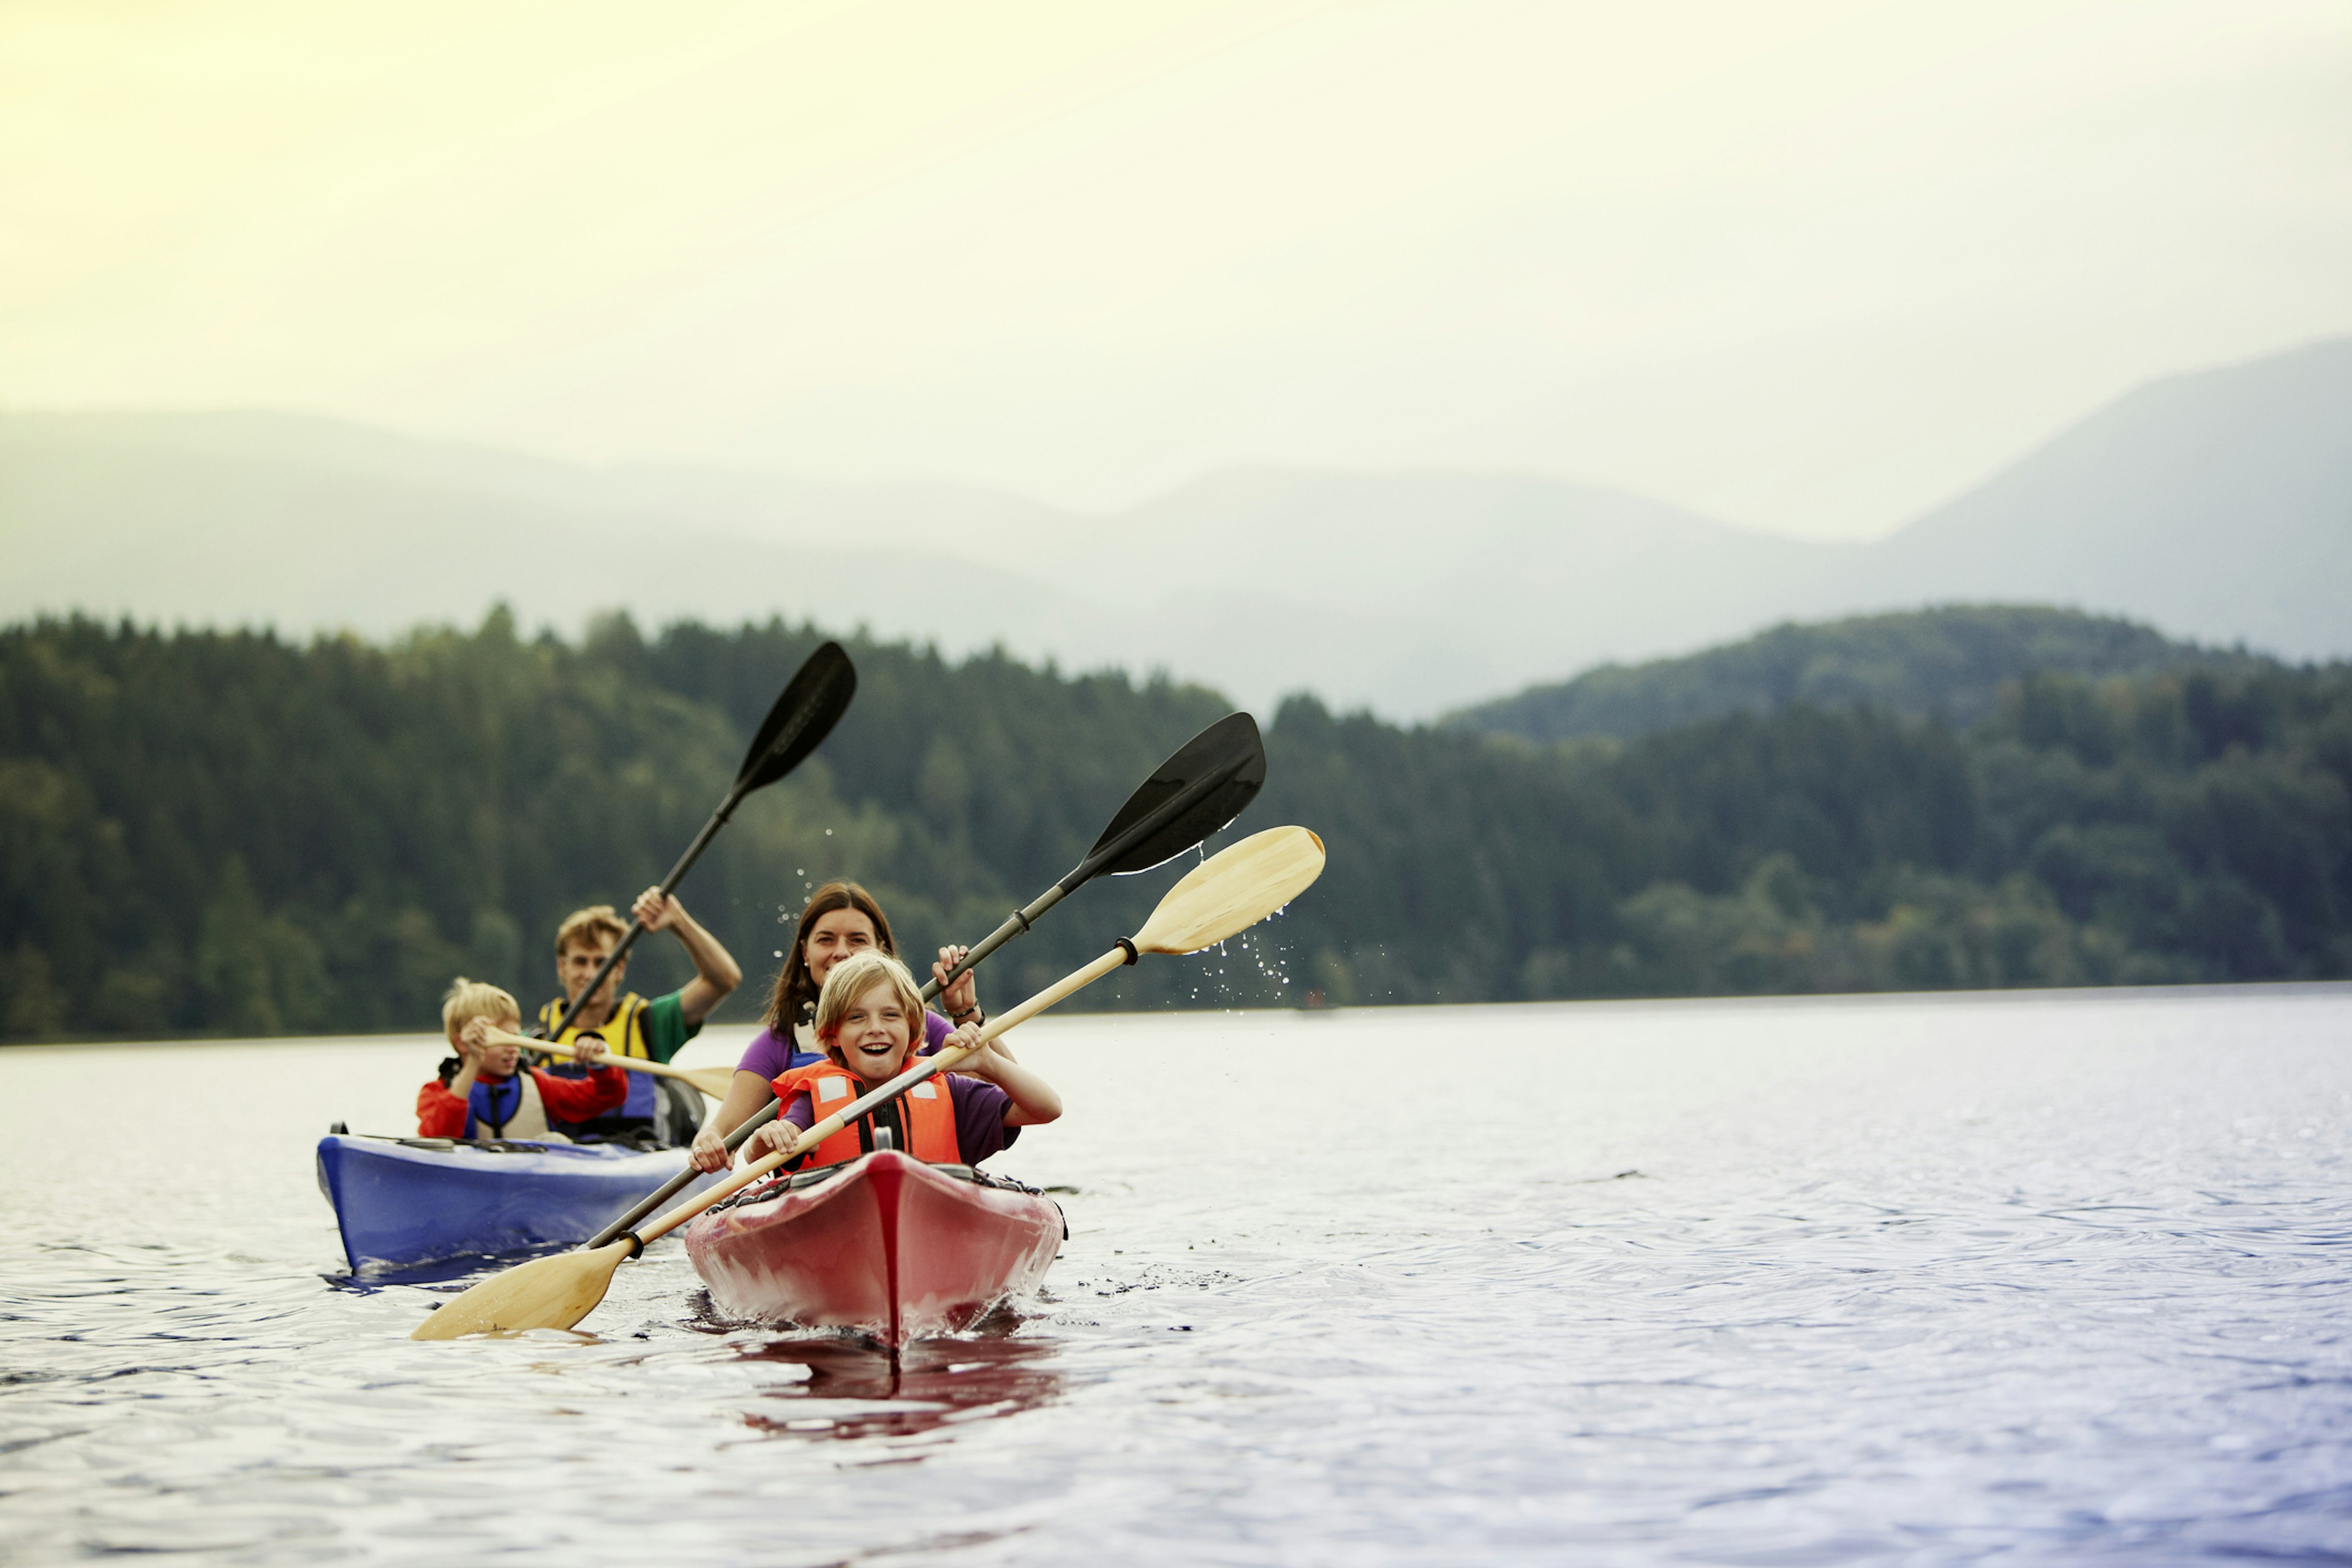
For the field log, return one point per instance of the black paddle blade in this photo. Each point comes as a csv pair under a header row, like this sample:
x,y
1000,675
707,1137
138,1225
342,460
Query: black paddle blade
x,y
1223,765
804,716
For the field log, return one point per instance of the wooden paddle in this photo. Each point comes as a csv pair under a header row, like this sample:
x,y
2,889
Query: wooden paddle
x,y
1202,786
1224,896
712,1081
803,715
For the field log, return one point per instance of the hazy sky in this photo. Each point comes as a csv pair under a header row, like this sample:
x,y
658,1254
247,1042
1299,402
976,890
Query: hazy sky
x,y
1805,265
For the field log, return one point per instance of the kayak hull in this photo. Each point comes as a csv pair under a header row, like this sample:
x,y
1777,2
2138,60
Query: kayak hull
x,y
401,1202
886,1246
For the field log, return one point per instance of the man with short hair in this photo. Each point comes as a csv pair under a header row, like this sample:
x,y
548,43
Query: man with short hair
x,y
630,1026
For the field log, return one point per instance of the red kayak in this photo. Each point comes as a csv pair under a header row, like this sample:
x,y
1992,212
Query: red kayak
x,y
885,1245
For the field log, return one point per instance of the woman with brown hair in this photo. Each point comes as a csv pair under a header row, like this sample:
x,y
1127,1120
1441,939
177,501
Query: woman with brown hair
x,y
841,919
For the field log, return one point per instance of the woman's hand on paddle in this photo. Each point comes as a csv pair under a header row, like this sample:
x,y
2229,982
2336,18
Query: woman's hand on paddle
x,y
960,1002
588,1051
709,1150
962,997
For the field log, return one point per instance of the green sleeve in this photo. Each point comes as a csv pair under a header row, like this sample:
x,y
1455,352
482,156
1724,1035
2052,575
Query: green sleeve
x,y
666,1026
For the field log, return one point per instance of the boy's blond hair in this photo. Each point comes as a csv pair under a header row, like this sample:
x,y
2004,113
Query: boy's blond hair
x,y
595,920
471,999
853,977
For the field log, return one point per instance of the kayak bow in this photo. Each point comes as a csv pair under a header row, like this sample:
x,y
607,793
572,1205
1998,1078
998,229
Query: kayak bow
x,y
886,1245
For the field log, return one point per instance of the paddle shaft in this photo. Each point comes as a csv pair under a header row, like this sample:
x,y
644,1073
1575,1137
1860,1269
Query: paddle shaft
x,y
865,1105
1167,811
611,1058
636,927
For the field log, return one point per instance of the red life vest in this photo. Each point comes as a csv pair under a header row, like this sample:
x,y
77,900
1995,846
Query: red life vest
x,y
928,1109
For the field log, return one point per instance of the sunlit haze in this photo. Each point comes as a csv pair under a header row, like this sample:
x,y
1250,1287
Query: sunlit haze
x,y
1811,267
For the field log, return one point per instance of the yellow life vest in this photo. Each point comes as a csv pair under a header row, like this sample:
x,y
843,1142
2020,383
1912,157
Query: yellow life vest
x,y
623,1033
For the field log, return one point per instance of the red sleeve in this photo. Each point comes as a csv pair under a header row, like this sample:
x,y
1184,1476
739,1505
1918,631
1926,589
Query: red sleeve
x,y
577,1098
439,1113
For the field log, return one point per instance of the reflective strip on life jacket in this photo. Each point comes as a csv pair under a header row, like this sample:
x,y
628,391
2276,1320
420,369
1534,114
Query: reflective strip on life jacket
x,y
624,1035
509,1108
926,1110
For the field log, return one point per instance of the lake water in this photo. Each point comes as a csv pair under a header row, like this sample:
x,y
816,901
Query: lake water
x,y
2027,1278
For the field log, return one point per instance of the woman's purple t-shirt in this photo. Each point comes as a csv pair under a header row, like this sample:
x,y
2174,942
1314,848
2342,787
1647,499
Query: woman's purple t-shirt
x,y
770,1056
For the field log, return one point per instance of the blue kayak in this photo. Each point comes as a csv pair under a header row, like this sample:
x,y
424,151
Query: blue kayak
x,y
404,1201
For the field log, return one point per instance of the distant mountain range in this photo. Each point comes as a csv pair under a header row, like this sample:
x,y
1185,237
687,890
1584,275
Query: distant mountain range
x,y
2215,506
1951,662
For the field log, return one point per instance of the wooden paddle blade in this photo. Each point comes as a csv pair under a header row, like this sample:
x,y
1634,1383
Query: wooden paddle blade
x,y
803,715
1232,890
712,1081
545,1293
1223,767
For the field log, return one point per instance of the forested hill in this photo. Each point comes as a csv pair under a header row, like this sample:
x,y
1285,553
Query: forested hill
x,y
218,833
1951,662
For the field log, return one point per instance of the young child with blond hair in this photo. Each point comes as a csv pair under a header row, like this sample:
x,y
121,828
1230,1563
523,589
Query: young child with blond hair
x,y
869,1022
480,1095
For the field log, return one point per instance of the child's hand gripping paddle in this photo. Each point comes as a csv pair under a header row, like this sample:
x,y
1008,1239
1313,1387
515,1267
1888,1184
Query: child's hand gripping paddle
x,y
712,1081
1223,897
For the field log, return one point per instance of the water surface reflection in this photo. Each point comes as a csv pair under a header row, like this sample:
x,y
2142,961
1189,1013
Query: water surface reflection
x,y
853,1390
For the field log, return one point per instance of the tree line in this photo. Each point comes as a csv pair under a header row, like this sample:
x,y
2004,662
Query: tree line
x,y
1951,660
232,833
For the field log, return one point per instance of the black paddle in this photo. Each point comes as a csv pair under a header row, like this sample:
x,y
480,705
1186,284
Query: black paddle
x,y
804,714
1191,795
1199,790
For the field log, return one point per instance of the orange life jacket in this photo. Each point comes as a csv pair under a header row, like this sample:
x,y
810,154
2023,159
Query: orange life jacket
x,y
928,1111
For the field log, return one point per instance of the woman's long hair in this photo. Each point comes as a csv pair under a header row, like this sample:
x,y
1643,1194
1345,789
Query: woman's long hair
x,y
796,992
